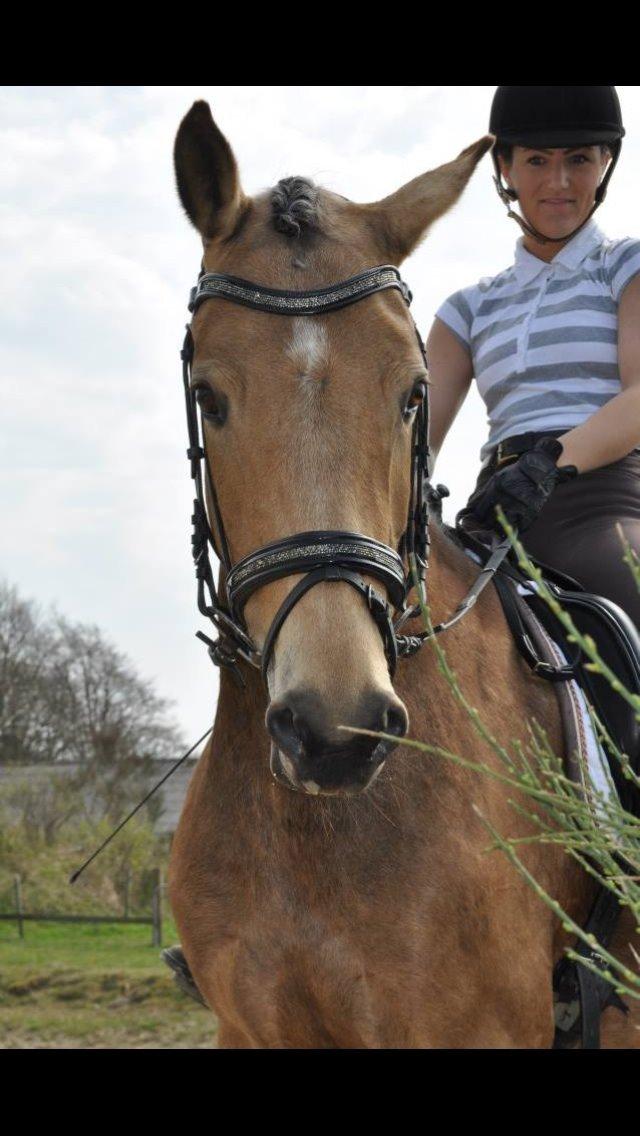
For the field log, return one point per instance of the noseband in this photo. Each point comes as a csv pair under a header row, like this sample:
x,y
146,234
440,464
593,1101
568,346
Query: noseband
x,y
323,555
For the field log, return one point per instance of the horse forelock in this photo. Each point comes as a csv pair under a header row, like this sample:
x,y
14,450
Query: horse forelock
x,y
296,235
294,205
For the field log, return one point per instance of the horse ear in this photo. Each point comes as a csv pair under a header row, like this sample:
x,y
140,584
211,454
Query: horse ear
x,y
402,219
206,174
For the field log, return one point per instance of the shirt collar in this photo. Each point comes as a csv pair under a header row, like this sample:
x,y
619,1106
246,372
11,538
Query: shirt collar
x,y
527,266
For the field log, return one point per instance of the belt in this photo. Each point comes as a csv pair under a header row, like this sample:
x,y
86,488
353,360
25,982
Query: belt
x,y
509,449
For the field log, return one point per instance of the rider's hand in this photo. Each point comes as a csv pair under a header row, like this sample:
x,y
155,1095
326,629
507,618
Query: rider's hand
x,y
522,488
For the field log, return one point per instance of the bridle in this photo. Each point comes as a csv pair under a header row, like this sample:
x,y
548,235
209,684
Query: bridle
x,y
323,555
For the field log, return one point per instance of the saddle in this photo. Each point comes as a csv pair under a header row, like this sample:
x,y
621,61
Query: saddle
x,y
580,994
615,635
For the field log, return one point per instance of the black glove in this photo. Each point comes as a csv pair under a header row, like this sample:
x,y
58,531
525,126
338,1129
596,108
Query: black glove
x,y
522,488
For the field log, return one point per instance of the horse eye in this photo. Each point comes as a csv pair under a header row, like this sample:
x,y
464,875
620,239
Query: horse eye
x,y
415,399
212,406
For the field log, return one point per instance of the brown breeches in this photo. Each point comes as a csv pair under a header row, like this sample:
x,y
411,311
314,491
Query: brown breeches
x,y
576,532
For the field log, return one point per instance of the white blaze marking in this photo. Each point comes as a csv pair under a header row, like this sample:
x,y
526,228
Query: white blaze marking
x,y
309,346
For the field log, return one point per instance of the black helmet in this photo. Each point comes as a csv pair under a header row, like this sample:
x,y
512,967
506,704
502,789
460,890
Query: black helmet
x,y
556,117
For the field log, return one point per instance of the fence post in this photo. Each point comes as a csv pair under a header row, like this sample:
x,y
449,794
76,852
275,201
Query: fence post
x,y
17,883
127,885
156,933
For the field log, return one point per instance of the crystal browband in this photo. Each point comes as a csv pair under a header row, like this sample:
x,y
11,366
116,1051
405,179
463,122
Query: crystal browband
x,y
281,302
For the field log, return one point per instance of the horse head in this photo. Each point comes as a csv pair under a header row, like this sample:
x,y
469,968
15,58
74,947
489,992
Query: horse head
x,y
307,427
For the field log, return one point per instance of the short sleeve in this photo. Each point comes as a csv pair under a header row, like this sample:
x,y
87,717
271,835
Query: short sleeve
x,y
623,264
457,314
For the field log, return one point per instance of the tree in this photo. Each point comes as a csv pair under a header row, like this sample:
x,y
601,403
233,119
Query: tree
x,y
68,695
25,649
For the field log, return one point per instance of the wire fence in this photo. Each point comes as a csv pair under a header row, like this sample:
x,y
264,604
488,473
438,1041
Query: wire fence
x,y
153,920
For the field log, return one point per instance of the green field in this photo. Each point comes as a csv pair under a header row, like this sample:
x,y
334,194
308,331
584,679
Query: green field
x,y
75,986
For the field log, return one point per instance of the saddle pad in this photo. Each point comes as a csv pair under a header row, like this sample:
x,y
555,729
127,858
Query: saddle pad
x,y
587,763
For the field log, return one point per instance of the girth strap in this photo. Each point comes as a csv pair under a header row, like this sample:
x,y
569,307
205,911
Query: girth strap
x,y
580,994
377,606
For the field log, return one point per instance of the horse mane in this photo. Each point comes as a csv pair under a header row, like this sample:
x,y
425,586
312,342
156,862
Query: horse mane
x,y
294,204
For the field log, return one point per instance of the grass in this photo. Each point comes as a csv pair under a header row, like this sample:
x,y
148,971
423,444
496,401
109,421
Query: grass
x,y
92,987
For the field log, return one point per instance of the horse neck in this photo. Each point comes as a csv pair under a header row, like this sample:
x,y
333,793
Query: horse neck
x,y
416,830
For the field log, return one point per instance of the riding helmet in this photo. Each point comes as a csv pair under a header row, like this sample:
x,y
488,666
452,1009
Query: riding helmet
x,y
556,117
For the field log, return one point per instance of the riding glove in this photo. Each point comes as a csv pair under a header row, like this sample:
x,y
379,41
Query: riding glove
x,y
522,488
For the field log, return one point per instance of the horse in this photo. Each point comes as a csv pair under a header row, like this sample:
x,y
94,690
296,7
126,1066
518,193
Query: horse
x,y
331,890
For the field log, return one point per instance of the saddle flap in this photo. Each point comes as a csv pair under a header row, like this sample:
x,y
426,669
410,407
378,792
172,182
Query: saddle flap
x,y
618,644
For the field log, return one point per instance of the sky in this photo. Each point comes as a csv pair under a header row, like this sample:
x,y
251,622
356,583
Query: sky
x,y
97,261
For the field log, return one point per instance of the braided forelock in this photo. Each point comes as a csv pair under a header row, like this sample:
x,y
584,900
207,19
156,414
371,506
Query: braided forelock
x,y
294,202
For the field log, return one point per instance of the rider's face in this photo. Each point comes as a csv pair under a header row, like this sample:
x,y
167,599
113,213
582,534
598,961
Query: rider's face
x,y
556,187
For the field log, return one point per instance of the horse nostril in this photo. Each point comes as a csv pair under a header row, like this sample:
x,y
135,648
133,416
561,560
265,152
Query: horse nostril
x,y
396,720
281,725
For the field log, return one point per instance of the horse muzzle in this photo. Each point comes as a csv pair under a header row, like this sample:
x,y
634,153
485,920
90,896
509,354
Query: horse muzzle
x,y
310,756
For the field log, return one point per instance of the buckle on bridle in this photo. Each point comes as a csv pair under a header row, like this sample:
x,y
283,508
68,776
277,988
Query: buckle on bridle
x,y
222,654
377,606
407,294
554,674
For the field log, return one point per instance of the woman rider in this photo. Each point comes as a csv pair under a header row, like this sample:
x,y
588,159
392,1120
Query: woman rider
x,y
554,345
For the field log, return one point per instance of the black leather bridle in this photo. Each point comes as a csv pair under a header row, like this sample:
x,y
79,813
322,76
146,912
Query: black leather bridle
x,y
322,555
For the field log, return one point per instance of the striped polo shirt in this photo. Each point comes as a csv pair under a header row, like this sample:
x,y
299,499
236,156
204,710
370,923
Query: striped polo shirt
x,y
543,338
